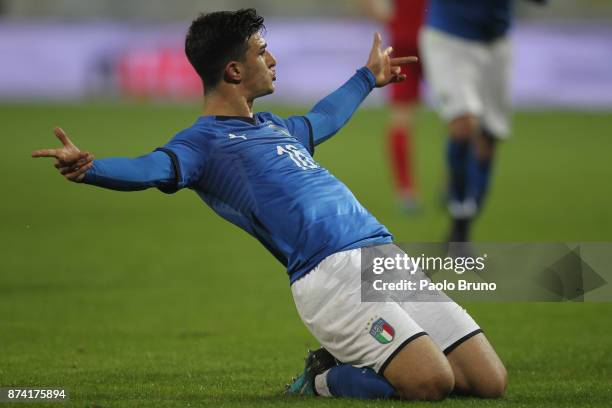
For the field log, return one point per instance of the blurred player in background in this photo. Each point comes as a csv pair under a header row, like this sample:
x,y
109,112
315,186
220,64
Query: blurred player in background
x,y
466,54
403,19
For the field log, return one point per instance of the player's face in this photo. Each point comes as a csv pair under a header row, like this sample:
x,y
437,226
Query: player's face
x,y
259,74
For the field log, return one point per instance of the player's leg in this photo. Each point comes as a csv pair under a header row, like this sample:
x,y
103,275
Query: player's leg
x,y
345,380
420,372
460,105
480,165
404,98
495,118
462,206
416,371
477,369
385,351
400,148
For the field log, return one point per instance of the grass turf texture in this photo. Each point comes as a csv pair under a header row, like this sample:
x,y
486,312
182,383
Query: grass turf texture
x,y
143,299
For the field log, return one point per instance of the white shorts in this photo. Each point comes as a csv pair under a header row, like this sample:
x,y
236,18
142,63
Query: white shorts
x,y
468,77
370,334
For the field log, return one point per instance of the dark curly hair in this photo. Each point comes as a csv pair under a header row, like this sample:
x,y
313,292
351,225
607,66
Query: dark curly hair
x,y
214,39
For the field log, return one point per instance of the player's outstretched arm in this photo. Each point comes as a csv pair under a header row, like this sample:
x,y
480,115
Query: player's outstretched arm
x,y
330,114
117,173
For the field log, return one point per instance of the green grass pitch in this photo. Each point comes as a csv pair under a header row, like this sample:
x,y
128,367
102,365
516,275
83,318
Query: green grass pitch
x,y
148,300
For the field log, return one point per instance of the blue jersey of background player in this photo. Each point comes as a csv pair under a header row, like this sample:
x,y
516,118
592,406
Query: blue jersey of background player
x,y
478,20
255,170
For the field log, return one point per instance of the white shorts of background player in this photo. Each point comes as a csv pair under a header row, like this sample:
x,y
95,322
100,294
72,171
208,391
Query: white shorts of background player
x,y
468,77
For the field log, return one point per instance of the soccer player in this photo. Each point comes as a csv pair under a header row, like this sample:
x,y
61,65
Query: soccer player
x,y
403,19
466,54
257,171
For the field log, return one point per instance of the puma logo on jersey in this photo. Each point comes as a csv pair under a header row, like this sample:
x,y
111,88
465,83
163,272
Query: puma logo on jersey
x,y
279,129
233,136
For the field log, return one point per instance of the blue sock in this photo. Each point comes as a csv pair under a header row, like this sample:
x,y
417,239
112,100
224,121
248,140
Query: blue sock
x,y
479,172
457,159
353,382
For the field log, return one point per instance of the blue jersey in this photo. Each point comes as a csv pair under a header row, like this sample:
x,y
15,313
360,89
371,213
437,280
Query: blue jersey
x,y
259,174
477,20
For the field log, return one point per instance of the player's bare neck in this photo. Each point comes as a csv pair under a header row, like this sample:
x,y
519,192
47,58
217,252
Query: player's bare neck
x,y
227,104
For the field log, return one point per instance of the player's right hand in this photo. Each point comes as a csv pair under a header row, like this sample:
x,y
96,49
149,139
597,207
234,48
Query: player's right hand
x,y
384,68
71,162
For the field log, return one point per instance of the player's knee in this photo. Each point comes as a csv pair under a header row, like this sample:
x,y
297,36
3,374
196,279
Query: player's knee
x,y
433,386
493,385
464,127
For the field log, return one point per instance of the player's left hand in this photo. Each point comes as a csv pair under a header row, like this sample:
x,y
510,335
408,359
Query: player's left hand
x,y
385,68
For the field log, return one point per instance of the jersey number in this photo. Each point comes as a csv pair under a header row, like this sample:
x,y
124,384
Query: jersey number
x,y
300,159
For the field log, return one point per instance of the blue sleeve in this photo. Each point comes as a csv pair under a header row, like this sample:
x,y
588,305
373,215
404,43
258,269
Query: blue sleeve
x,y
300,128
126,174
188,155
328,116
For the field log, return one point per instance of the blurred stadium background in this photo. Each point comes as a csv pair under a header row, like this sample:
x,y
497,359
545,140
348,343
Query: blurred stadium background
x,y
134,49
148,300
